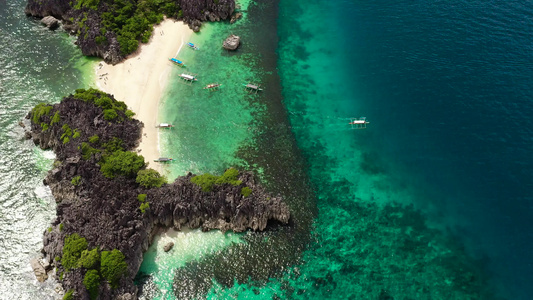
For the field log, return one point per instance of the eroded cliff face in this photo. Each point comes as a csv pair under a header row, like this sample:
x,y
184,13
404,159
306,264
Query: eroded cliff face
x,y
106,211
90,33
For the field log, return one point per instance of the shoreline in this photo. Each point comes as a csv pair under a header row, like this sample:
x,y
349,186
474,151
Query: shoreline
x,y
139,81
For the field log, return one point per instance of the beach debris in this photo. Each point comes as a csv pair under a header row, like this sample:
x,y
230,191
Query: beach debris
x,y
168,246
232,42
50,22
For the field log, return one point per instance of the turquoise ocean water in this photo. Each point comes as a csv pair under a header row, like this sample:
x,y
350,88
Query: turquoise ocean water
x,y
432,201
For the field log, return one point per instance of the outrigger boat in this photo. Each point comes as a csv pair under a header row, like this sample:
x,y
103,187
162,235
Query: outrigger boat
x,y
358,123
177,61
188,78
163,159
250,87
193,46
212,86
165,125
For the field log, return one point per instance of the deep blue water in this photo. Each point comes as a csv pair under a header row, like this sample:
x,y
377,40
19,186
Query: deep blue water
x,y
447,86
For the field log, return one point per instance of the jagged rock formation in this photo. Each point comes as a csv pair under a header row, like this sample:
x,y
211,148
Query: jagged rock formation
x,y
95,40
106,212
50,22
232,42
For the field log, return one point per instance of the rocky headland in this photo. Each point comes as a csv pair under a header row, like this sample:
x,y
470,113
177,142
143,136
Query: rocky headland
x,y
112,29
110,206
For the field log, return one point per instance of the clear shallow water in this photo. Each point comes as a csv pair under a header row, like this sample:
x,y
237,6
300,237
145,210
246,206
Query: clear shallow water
x,y
431,77
35,66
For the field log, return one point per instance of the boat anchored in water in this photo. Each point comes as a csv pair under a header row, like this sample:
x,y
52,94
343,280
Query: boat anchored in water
x,y
163,159
164,125
192,46
177,62
212,86
188,77
358,123
252,88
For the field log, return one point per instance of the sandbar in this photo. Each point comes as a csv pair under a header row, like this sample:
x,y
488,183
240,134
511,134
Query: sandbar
x,y
140,80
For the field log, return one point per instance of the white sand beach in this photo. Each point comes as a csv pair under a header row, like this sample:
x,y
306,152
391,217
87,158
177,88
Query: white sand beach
x,y
140,80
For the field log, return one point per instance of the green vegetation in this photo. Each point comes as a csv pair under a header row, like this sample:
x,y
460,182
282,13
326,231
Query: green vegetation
x,y
69,295
87,151
144,206
150,178
141,197
110,114
113,266
56,118
207,181
246,191
49,229
67,133
103,101
94,139
130,20
40,110
121,163
61,227
89,259
91,4
57,258
44,126
76,180
91,281
113,145
72,249
76,134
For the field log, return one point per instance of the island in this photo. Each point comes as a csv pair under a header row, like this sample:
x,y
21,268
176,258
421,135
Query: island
x,y
112,29
110,205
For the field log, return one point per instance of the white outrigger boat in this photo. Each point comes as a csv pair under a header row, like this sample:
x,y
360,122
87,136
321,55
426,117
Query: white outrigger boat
x,y
358,123
163,159
188,77
164,125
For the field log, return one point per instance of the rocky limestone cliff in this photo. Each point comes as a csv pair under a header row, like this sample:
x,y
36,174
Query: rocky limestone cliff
x,y
106,211
192,12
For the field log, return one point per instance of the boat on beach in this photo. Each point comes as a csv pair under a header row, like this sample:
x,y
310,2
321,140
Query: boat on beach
x,y
164,125
177,62
212,86
163,159
192,46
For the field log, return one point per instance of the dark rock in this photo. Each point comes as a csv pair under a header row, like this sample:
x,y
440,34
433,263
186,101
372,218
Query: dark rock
x,y
50,22
38,269
168,246
106,211
194,12
232,42
235,17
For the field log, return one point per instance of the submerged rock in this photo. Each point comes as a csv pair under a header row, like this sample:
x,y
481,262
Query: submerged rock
x,y
232,42
168,246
